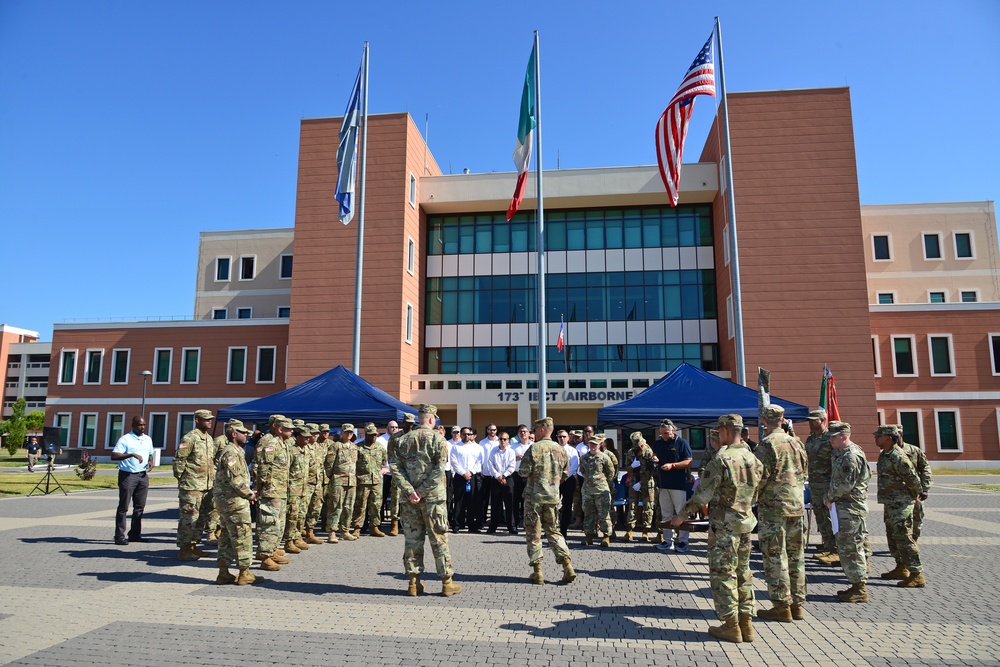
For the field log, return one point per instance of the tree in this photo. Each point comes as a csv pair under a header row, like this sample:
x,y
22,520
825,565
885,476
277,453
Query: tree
x,y
15,427
34,420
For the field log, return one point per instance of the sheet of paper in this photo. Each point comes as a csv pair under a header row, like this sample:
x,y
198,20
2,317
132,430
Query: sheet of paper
x,y
833,518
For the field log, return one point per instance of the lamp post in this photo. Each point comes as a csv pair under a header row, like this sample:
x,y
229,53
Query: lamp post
x,y
145,376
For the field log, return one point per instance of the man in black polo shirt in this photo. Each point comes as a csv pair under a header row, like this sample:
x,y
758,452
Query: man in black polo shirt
x,y
672,455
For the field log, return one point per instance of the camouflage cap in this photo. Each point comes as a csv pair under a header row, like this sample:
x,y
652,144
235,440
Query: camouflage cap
x,y
544,422
427,409
731,421
298,422
313,426
817,414
203,414
456,429
324,427
886,429
772,412
839,428
578,434
234,423
371,428
596,440
637,438
347,427
275,418
284,422
409,418
241,428
301,431
713,434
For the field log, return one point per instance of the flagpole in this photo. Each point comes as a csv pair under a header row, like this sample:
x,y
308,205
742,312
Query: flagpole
x,y
734,261
540,243
356,353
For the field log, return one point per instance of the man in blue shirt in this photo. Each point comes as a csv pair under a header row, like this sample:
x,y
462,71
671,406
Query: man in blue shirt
x,y
672,456
134,454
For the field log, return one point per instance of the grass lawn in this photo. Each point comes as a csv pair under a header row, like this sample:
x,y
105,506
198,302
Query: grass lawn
x,y
19,484
980,487
20,460
971,471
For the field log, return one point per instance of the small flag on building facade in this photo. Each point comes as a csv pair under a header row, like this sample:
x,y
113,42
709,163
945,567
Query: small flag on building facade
x,y
347,154
525,125
561,340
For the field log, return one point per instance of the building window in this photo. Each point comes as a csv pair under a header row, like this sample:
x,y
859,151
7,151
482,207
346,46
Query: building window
x,y
67,367
963,246
730,325
244,313
285,270
942,357
95,359
185,424
237,370
63,421
875,357
912,427
220,313
885,298
116,429
995,353
158,429
904,363
163,358
411,255
191,360
935,297
969,296
932,246
266,359
413,191
881,247
409,324
284,312
119,366
248,267
222,269
88,430
725,245
949,431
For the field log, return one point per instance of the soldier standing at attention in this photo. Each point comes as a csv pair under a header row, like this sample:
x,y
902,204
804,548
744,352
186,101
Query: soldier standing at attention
x,y
820,455
233,495
729,487
298,473
849,490
417,466
341,466
194,468
270,468
598,472
898,490
544,466
371,460
312,501
212,524
781,507
642,488
923,468
409,420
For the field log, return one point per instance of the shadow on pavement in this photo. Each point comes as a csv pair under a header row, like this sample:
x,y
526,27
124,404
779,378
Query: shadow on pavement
x,y
615,623
154,577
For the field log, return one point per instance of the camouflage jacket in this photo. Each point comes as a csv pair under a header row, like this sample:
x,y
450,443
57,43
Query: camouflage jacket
x,y
220,444
270,467
232,478
729,487
710,453
417,462
194,462
644,473
599,473
371,459
920,464
300,459
341,463
782,485
898,483
545,466
849,481
314,476
820,454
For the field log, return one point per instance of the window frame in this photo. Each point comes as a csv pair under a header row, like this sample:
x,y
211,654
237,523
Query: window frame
x,y
877,355
958,430
408,324
411,255
972,243
920,425
725,245
923,245
114,364
107,434
994,361
170,364
277,313
943,293
888,236
229,270
240,277
83,430
100,366
244,308
181,432
730,325
412,197
281,266
197,372
166,429
274,365
229,364
57,422
62,361
224,311
963,292
913,353
951,354
891,294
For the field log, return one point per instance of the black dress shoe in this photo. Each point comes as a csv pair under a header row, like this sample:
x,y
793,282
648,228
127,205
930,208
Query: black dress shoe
x,y
491,530
121,543
512,530
137,539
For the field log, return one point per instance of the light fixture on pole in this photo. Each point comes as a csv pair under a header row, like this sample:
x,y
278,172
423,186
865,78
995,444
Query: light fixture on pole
x,y
145,375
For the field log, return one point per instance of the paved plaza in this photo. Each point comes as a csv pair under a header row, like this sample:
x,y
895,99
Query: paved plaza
x,y
69,596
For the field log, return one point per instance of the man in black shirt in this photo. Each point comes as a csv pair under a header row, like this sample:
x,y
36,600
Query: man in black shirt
x,y
672,456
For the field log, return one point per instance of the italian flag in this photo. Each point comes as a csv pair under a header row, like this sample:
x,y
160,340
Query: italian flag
x,y
828,395
525,129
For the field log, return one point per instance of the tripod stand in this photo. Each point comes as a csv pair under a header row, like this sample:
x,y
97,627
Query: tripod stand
x,y
49,477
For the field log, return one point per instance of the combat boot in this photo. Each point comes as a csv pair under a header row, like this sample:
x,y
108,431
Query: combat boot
x,y
797,612
376,532
292,548
197,552
913,581
415,588
332,538
187,553
729,631
536,575
269,565
781,611
394,531
746,627
213,539
829,558
225,576
856,593
279,559
588,540
311,537
645,537
606,542
247,577
898,572
569,575
348,536
279,552
820,555
449,587
356,533
628,536
301,544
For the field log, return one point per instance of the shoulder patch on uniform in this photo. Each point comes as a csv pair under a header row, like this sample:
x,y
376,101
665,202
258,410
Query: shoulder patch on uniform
x,y
269,449
182,446
232,462
260,449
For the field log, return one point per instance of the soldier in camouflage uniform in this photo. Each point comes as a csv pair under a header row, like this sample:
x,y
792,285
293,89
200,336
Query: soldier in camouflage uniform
x,y
713,448
270,469
341,466
641,486
233,495
298,473
781,506
923,468
899,488
545,466
417,466
598,472
729,487
849,490
409,421
212,524
194,468
312,501
371,460
820,455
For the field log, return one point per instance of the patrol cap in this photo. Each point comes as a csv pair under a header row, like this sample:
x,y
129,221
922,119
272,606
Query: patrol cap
x,y
301,430
544,422
667,422
731,421
839,428
817,414
371,428
284,422
578,434
427,409
596,440
312,425
241,428
713,434
347,427
275,418
886,429
409,418
456,429
298,422
773,412
324,427
203,414
637,438
234,423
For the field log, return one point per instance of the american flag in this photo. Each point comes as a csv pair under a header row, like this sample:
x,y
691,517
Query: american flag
x,y
673,124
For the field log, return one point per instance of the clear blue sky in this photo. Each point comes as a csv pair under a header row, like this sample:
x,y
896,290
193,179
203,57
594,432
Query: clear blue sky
x,y
126,128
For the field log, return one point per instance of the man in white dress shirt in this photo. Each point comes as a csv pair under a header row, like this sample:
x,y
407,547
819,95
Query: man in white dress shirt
x,y
520,445
489,443
467,467
568,488
501,465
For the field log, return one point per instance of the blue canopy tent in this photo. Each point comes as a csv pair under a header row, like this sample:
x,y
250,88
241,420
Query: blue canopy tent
x,y
690,397
335,397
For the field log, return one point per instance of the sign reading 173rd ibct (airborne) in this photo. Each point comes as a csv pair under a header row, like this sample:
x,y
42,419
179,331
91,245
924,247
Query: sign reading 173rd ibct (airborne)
x,y
567,396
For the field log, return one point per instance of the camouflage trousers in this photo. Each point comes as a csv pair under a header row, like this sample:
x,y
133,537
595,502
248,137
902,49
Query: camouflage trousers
x,y
314,505
295,518
647,497
339,506
271,514
597,514
784,559
428,520
236,540
822,513
729,573
195,507
853,546
212,524
918,519
899,534
393,501
578,502
540,518
368,498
